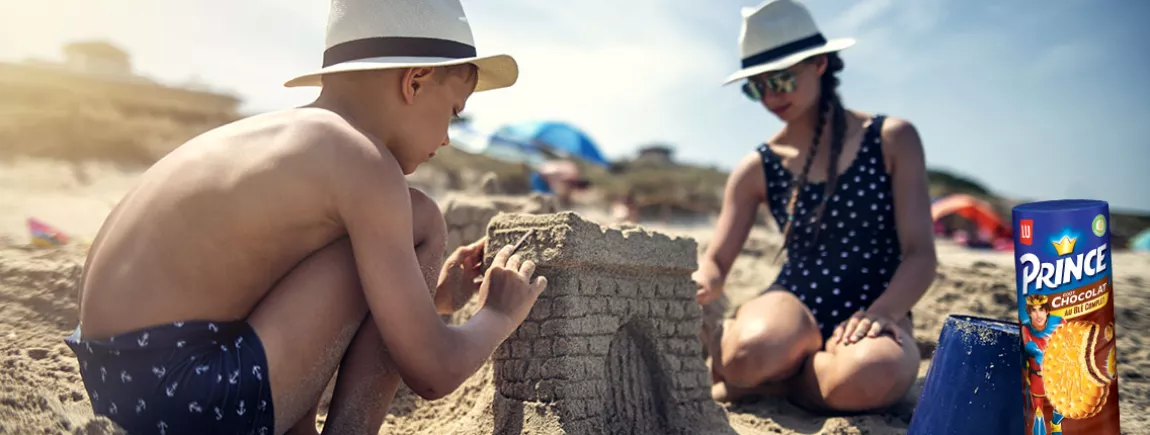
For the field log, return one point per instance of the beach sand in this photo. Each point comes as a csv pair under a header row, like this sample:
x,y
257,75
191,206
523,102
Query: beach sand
x,y
41,391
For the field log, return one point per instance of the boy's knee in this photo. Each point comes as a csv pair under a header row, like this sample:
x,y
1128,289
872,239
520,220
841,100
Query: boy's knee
x,y
427,219
425,211
420,200
339,251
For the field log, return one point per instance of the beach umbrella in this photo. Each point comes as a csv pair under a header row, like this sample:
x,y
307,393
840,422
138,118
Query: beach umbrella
x,y
547,138
466,137
1141,242
515,152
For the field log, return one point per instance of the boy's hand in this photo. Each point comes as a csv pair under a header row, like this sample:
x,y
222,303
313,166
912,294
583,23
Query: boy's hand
x,y
508,288
458,278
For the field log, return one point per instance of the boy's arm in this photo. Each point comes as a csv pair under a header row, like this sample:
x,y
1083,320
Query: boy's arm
x,y
373,202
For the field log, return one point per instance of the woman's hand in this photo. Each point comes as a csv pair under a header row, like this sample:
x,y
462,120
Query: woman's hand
x,y
866,324
710,282
459,279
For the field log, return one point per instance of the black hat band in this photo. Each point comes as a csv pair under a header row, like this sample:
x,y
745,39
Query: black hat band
x,y
396,46
784,50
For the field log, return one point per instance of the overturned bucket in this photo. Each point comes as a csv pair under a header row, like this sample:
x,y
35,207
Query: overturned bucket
x,y
974,384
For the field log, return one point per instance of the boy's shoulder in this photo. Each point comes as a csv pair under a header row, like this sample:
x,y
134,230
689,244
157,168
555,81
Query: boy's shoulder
x,y
323,129
324,137
344,155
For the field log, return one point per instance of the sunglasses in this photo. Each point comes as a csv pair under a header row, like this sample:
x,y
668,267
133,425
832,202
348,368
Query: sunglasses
x,y
781,82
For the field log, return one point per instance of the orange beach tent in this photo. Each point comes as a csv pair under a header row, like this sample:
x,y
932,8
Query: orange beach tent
x,y
980,212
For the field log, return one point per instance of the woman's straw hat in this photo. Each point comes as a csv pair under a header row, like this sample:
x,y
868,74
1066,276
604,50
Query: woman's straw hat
x,y
384,34
779,34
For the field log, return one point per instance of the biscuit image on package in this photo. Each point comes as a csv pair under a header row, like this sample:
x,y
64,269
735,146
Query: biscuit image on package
x,y
1076,385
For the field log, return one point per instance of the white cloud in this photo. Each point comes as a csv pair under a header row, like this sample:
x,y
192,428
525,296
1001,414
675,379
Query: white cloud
x,y
887,33
858,16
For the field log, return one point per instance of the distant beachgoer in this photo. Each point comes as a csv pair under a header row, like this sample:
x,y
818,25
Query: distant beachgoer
x,y
625,209
539,183
849,192
489,184
223,292
561,178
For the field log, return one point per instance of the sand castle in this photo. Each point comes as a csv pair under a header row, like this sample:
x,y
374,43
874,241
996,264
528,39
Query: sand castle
x,y
467,216
611,346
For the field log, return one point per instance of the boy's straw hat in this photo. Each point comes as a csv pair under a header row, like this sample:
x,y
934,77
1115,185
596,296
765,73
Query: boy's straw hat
x,y
384,34
779,34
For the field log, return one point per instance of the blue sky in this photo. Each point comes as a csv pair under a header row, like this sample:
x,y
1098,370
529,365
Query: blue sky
x,y
1037,99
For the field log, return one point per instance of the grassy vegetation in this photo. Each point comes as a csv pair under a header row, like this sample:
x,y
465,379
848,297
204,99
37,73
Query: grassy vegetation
x,y
944,183
91,132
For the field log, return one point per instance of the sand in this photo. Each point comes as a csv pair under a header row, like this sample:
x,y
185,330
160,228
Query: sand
x,y
41,392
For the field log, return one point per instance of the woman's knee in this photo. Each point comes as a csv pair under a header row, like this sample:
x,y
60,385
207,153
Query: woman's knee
x,y
867,377
771,337
751,360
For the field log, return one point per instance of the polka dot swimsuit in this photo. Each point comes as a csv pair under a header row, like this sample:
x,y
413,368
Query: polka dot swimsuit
x,y
857,250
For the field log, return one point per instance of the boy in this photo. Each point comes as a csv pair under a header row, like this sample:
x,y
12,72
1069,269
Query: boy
x,y
224,290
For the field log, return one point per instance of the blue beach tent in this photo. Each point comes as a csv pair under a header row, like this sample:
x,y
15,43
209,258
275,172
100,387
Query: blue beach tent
x,y
1141,242
542,138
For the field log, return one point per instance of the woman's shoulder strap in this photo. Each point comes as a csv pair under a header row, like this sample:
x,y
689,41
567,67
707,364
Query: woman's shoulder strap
x,y
876,123
763,150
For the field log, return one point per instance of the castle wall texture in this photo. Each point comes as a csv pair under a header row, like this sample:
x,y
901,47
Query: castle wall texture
x,y
611,346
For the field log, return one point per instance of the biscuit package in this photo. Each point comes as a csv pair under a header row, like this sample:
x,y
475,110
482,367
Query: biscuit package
x,y
1066,311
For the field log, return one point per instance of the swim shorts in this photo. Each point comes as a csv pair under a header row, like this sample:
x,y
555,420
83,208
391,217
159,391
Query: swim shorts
x,y
184,378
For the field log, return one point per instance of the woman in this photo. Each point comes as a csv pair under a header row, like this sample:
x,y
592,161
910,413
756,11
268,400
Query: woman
x,y
849,192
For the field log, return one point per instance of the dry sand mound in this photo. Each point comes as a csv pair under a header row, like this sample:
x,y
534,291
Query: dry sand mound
x,y
41,392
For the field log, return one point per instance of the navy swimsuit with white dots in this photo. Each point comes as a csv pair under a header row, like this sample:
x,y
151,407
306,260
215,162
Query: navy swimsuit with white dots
x,y
857,250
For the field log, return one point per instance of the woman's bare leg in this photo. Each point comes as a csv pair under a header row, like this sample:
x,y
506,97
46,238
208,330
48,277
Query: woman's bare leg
x,y
767,342
871,374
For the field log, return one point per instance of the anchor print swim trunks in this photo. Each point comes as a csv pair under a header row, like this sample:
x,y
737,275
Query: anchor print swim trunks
x,y
184,378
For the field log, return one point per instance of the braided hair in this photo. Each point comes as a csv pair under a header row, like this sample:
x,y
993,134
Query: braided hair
x,y
829,103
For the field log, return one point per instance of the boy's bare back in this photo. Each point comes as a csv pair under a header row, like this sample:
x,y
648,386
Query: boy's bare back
x,y
210,228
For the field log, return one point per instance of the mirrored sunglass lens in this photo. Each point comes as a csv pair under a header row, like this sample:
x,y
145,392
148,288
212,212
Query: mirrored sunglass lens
x,y
781,83
751,90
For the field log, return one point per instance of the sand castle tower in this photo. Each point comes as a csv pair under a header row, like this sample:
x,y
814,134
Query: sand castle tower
x,y
611,346
467,215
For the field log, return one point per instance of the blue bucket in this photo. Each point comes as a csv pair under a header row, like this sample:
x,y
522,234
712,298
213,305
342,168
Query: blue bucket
x,y
974,384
